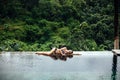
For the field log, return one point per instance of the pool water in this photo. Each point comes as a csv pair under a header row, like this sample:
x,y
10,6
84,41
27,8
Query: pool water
x,y
91,65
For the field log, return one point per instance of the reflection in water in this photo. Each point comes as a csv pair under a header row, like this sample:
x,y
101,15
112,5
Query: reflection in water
x,y
114,68
64,58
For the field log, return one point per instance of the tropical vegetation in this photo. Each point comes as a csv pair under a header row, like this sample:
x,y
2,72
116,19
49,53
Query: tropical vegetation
x,y
39,25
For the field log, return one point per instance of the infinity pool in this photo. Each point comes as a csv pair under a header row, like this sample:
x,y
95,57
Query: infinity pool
x,y
97,65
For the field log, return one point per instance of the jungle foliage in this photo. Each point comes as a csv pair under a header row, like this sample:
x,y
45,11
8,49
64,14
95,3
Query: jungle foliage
x,y
32,25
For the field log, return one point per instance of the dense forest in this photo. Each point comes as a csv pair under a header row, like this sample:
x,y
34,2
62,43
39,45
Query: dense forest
x,y
39,25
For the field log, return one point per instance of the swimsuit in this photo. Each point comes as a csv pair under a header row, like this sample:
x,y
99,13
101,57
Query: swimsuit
x,y
63,51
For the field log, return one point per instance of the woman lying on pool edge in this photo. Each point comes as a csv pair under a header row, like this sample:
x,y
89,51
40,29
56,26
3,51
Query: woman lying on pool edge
x,y
59,52
55,53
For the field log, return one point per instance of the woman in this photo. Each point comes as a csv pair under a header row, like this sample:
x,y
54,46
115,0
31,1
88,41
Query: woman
x,y
57,52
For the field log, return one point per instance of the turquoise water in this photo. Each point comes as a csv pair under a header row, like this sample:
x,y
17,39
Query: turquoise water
x,y
29,66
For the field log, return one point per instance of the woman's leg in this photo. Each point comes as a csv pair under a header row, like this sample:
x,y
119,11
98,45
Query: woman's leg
x,y
47,53
43,53
52,51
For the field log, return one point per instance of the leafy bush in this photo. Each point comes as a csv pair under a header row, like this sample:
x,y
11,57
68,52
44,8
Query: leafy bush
x,y
42,24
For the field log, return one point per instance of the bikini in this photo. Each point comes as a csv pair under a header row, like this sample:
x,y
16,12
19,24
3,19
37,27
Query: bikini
x,y
54,53
63,51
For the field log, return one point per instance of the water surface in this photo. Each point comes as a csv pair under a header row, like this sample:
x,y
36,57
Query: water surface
x,y
29,66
